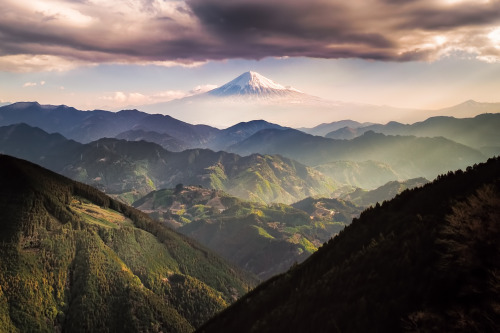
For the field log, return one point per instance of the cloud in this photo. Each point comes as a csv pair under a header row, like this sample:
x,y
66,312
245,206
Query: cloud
x,y
36,63
33,84
120,99
376,29
58,35
202,89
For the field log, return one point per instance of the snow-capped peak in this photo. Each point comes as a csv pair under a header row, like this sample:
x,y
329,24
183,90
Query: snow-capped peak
x,y
256,81
252,83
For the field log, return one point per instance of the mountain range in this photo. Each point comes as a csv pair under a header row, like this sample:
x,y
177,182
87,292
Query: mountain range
x,y
480,132
134,168
88,126
424,261
394,157
408,156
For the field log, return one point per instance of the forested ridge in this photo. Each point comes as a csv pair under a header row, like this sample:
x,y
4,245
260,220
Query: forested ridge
x,y
73,259
427,260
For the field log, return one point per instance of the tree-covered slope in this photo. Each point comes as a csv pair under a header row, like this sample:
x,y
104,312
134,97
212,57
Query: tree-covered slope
x,y
263,239
366,174
364,198
73,259
136,168
426,261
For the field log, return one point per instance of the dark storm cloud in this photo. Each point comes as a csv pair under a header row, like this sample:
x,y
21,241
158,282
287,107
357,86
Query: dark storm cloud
x,y
324,21
441,18
141,31
383,29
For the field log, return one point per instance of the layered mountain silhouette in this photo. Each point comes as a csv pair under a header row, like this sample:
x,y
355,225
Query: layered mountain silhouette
x,y
87,126
133,169
424,261
73,259
133,125
480,132
408,156
420,151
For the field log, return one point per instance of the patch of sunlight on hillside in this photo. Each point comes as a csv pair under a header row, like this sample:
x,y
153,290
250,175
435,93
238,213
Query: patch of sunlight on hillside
x,y
95,214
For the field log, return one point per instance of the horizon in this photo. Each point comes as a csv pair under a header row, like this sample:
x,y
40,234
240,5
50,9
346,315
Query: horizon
x,y
222,127
425,55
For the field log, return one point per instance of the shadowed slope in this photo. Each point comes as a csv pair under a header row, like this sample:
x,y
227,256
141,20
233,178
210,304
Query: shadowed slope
x,y
428,260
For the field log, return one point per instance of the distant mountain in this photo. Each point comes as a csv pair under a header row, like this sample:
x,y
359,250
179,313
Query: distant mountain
x,y
325,128
423,261
166,141
252,84
248,97
87,126
252,96
408,156
36,145
133,169
480,132
132,125
388,191
78,125
263,239
239,132
73,259
469,108
194,135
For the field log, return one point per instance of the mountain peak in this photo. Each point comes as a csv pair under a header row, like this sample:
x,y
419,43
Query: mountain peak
x,y
252,83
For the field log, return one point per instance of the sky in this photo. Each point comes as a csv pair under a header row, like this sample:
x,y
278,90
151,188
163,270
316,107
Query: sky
x,y
111,54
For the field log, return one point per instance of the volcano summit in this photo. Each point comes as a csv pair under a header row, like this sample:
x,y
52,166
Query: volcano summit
x,y
254,84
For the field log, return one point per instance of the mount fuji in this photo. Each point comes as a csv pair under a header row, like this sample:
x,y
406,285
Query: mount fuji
x,y
252,96
257,86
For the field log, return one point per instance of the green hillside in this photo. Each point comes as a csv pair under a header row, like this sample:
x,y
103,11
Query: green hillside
x,y
426,261
366,174
364,198
263,239
72,259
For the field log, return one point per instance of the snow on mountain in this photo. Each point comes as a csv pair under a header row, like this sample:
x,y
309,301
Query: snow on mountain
x,y
252,96
254,84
